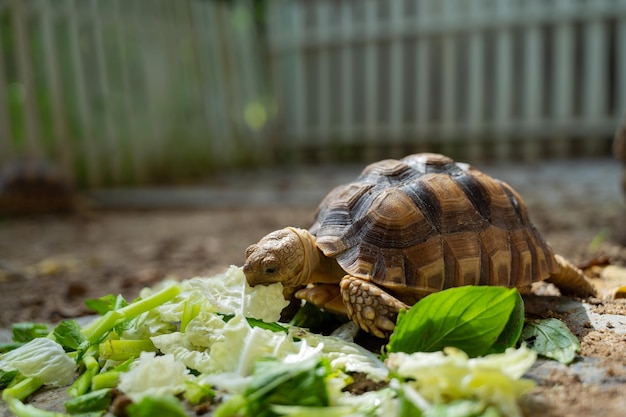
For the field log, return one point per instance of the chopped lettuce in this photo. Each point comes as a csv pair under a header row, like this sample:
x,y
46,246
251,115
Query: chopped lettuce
x,y
440,377
41,358
154,376
274,383
218,338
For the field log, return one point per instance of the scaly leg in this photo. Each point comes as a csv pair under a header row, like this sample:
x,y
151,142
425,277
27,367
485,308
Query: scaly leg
x,y
369,306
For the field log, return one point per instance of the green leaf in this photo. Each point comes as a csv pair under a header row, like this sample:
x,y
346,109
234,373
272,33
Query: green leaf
x,y
470,318
165,406
92,401
513,329
274,383
105,304
25,332
69,334
551,338
6,377
275,327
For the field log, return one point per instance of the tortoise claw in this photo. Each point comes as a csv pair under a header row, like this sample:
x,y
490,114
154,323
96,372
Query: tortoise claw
x,y
373,309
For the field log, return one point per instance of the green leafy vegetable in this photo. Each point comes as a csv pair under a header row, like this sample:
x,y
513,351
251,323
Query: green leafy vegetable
x,y
275,327
121,350
98,400
105,304
7,376
470,318
513,329
25,332
551,338
42,358
69,334
274,383
442,377
162,406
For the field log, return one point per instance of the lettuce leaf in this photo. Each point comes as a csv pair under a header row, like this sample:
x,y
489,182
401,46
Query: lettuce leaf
x,y
41,358
450,375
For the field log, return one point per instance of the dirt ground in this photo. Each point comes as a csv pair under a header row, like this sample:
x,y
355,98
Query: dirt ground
x,y
50,264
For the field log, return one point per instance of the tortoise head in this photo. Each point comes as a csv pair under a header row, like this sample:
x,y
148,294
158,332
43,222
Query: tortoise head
x,y
284,255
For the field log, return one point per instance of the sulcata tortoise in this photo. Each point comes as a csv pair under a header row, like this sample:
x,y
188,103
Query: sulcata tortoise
x,y
34,186
402,230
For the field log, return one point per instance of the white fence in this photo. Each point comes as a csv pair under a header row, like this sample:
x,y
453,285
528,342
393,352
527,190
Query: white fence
x,y
522,77
123,91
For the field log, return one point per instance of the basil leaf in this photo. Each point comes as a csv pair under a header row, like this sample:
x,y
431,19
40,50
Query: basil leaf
x,y
513,329
551,338
470,318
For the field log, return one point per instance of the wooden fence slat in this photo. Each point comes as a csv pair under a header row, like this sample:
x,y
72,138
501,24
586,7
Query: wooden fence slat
x,y
594,73
503,82
371,87
83,110
347,57
620,50
321,129
7,150
24,64
449,66
110,131
396,75
562,79
475,82
532,81
60,130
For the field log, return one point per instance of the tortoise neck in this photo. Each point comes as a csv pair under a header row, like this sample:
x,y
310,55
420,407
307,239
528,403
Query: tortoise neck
x,y
310,259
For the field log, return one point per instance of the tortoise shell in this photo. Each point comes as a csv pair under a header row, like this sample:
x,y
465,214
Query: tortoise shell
x,y
425,223
34,186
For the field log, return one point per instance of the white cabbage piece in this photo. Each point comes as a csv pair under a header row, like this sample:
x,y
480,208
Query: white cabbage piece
x,y
153,375
42,358
347,356
227,293
219,347
231,294
449,375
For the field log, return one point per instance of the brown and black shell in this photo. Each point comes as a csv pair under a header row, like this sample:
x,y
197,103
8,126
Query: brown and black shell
x,y
425,223
33,187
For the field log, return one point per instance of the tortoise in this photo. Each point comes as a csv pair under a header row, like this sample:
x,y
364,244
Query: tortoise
x,y
404,229
34,186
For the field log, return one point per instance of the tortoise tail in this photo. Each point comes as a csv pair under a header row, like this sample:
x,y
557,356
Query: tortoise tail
x,y
570,280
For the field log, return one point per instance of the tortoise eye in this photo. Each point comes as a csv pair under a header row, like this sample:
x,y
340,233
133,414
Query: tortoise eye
x,y
270,270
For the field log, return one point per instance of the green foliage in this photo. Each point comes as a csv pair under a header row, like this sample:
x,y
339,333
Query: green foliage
x,y
477,320
25,332
551,338
275,383
98,400
165,406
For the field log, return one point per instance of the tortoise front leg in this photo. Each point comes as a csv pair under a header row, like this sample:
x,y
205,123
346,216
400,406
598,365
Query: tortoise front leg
x,y
325,296
369,306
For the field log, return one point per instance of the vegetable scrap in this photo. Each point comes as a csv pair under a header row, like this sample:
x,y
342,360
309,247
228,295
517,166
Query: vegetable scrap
x,y
216,344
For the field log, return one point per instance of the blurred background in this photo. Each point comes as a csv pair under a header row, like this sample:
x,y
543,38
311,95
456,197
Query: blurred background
x,y
195,127
135,92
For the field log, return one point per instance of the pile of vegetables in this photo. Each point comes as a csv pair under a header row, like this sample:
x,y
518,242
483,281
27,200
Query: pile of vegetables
x,y
215,345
